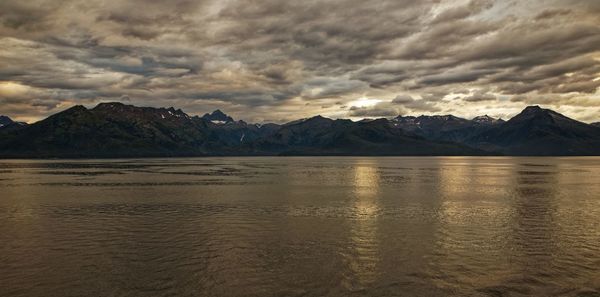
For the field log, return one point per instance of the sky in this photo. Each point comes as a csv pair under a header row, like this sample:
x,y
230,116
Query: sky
x,y
276,61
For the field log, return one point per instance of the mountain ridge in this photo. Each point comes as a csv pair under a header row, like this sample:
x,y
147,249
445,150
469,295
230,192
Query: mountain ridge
x,y
5,120
538,131
7,124
114,129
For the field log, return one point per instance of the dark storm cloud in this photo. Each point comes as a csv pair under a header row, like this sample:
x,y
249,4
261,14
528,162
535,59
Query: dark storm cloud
x,y
551,13
266,55
375,111
323,87
462,11
416,105
480,96
457,76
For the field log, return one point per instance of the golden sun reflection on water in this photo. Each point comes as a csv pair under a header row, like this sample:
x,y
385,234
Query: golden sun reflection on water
x,y
463,214
462,182
364,236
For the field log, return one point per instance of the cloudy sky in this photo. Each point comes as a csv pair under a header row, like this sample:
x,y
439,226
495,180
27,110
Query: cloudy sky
x,y
281,60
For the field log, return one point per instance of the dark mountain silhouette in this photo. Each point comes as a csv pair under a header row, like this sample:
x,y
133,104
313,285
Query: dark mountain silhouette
x,y
119,130
109,129
229,132
115,129
430,124
239,134
487,120
7,124
217,117
597,124
323,136
4,120
537,131
445,127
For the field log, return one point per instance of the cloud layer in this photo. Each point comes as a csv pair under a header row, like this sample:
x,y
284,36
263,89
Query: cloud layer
x,y
280,60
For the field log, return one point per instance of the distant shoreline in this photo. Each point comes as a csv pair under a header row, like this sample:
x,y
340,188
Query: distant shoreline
x,y
292,156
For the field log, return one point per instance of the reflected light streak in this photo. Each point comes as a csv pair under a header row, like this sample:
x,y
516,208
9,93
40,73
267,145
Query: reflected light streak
x,y
364,240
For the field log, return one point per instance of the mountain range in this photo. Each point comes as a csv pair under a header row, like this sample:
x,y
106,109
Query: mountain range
x,y
119,130
7,124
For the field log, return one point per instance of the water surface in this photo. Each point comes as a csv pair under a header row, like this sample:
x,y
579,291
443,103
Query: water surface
x,y
300,227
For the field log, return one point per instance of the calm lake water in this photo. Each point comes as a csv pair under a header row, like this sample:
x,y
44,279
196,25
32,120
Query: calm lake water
x,y
300,227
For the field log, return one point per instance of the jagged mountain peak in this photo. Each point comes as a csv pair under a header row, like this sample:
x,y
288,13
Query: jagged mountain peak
x,y
431,120
217,117
405,117
539,112
73,109
446,117
486,119
149,112
7,123
318,118
540,115
218,112
4,120
539,131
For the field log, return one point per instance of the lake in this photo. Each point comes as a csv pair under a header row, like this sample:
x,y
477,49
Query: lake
x,y
301,226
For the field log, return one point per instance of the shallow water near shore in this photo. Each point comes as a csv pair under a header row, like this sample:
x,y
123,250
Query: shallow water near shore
x,y
301,226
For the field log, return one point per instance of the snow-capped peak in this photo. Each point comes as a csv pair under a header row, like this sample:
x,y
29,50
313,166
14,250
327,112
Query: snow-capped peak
x,y
485,119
